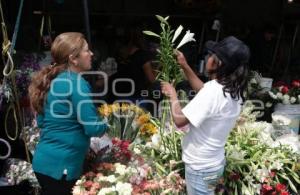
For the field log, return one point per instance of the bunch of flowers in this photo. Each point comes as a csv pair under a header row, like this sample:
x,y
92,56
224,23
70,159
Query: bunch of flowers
x,y
18,171
256,164
171,71
24,73
127,172
127,120
286,94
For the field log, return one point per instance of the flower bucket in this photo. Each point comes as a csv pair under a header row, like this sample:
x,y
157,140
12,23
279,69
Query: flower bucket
x,y
266,83
291,112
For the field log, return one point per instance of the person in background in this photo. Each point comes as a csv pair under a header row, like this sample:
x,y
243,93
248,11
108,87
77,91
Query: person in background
x,y
212,113
66,114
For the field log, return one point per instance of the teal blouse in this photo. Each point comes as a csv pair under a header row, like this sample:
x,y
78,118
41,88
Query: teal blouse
x,y
69,120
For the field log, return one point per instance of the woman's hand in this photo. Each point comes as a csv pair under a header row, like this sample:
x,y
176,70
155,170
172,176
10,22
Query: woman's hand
x,y
168,90
181,59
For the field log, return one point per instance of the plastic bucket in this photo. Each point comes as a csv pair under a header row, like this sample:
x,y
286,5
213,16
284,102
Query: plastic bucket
x,y
266,83
291,112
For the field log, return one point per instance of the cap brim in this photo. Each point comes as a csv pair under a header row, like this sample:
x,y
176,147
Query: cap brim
x,y
210,45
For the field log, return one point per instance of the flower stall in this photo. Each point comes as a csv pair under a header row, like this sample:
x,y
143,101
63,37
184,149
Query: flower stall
x,y
141,154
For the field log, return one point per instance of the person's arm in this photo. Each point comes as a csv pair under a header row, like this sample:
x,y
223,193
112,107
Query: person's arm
x,y
86,111
178,116
149,71
193,79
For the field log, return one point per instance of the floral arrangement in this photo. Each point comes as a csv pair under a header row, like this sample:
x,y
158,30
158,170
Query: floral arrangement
x,y
286,94
256,164
18,171
127,120
171,71
23,74
124,171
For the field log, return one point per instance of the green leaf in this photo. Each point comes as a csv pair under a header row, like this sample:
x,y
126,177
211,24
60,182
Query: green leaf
x,y
150,33
292,186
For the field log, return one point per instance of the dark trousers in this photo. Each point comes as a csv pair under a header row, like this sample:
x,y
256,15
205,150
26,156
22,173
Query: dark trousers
x,y
51,186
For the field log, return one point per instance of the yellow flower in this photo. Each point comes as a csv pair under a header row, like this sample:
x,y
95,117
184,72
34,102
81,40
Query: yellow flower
x,y
148,129
105,110
124,107
115,107
144,118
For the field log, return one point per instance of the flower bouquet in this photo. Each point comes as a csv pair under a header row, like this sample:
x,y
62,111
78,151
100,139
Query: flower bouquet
x,y
256,164
125,171
125,120
286,94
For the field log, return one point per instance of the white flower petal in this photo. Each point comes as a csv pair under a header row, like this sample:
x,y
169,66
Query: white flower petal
x,y
177,33
187,38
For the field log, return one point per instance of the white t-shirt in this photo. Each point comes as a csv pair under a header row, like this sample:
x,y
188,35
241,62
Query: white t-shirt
x,y
211,116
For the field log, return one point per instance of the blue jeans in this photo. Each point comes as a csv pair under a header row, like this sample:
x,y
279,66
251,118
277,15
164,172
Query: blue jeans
x,y
202,182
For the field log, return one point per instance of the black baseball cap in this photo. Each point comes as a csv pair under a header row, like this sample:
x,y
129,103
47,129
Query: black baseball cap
x,y
231,51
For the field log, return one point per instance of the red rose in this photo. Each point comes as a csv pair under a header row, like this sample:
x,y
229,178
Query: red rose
x,y
284,89
284,193
296,83
125,145
280,187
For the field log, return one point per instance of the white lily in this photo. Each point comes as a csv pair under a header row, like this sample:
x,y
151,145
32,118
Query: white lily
x,y
187,38
177,33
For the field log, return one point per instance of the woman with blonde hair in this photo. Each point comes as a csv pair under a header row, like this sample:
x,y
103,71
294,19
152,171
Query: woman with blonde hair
x,y
66,114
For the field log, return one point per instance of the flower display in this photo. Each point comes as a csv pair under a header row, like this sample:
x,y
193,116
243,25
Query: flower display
x,y
125,171
286,94
127,120
256,164
18,171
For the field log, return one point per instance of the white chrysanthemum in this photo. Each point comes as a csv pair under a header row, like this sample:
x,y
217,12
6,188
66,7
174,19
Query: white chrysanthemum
x,y
124,188
79,182
136,150
293,100
187,38
286,101
120,169
77,190
105,191
177,33
111,179
286,97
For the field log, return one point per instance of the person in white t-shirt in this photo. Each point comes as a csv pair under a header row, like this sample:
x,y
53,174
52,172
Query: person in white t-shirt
x,y
212,113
